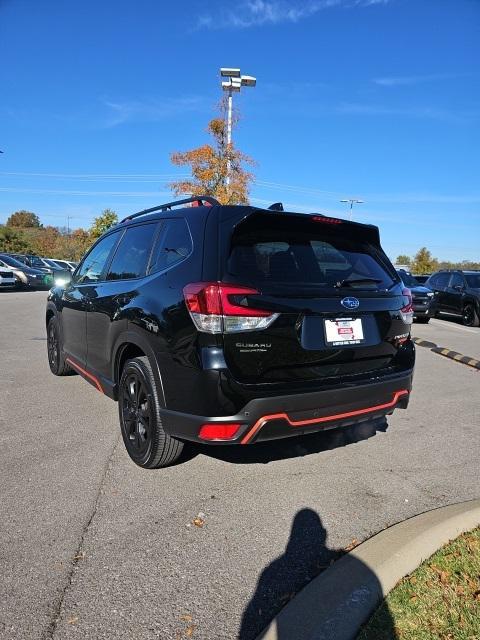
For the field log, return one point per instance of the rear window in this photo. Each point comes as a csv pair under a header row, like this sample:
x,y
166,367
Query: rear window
x,y
323,258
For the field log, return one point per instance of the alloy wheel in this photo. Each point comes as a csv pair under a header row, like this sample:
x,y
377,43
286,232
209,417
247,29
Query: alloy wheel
x,y
136,413
468,315
52,345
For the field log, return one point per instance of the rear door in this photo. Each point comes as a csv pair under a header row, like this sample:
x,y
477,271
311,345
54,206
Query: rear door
x,y
337,297
116,294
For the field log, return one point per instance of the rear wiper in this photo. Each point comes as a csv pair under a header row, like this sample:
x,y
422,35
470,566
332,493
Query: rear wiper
x,y
356,281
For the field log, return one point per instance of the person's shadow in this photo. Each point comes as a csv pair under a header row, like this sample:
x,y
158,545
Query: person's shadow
x,y
307,555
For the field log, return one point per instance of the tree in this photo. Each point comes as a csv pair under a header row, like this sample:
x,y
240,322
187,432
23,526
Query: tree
x,y
424,262
78,243
209,166
107,219
23,219
403,259
45,243
12,241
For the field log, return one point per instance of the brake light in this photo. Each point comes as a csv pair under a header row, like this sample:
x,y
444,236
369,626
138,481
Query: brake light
x,y
218,431
216,307
407,310
327,220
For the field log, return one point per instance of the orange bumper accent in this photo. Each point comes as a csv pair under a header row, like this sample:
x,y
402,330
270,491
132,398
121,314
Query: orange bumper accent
x,y
339,416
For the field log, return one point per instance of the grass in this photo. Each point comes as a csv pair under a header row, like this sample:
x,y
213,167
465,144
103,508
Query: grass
x,y
439,601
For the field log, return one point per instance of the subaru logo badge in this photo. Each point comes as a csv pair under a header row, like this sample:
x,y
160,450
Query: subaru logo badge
x,y
350,303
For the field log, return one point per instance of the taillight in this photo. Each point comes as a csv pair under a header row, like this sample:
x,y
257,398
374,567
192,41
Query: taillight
x,y
216,307
407,310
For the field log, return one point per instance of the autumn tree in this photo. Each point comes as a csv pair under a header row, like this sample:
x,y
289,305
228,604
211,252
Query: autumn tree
x,y
102,223
211,165
424,262
11,241
45,243
403,259
24,219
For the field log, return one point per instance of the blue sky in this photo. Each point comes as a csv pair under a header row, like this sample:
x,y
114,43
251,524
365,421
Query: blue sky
x,y
374,99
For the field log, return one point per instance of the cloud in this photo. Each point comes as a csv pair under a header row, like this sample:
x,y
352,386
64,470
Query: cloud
x,y
256,13
152,111
398,81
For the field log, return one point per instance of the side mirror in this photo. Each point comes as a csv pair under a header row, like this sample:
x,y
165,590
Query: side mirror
x,y
458,287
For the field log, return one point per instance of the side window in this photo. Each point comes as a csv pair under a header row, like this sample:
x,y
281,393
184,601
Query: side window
x,y
94,263
174,245
133,252
457,280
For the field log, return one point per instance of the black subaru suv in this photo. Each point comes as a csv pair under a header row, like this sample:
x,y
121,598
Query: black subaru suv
x,y
233,324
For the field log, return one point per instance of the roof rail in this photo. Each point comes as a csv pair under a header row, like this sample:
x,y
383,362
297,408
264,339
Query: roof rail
x,y
168,205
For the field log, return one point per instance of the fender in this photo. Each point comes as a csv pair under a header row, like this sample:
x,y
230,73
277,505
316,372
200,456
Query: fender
x,y
123,341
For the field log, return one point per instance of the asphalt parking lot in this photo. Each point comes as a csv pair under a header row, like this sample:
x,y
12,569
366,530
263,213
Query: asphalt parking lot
x,y
450,333
95,547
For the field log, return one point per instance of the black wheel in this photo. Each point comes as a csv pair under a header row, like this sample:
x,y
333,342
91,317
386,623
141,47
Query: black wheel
x,y
56,359
146,442
470,316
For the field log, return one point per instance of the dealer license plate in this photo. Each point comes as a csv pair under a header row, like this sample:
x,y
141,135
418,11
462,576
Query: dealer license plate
x,y
343,331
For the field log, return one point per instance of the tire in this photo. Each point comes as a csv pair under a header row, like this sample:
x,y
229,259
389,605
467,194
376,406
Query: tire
x,y
56,357
470,316
423,320
146,442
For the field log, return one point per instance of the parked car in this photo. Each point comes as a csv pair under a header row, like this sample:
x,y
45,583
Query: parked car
x,y
35,262
61,264
232,324
26,276
7,278
423,298
458,293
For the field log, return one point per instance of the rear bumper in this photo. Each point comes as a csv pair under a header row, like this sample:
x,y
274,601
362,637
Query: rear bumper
x,y
290,415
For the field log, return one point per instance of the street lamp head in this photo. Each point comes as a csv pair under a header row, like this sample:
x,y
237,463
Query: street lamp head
x,y
228,72
344,200
359,201
230,85
248,81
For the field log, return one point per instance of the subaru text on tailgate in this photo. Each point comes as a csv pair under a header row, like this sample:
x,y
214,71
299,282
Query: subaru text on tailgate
x,y
233,324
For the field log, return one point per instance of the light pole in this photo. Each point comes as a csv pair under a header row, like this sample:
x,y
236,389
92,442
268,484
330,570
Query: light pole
x,y
235,81
352,201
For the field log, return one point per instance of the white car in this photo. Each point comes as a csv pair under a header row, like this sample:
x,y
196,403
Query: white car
x,y
7,278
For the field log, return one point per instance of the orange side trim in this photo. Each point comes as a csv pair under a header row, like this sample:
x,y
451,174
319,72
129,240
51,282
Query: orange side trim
x,y
299,423
86,374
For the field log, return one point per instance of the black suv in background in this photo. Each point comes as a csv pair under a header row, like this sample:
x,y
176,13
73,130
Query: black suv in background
x,y
232,324
458,293
423,299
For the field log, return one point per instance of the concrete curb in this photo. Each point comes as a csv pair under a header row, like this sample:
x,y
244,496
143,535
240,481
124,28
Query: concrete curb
x,y
336,604
448,353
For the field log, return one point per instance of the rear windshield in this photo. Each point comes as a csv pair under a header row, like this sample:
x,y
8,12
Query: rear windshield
x,y
323,258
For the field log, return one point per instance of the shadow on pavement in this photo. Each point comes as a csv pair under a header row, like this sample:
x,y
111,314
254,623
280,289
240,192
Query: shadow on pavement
x,y
297,446
306,555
